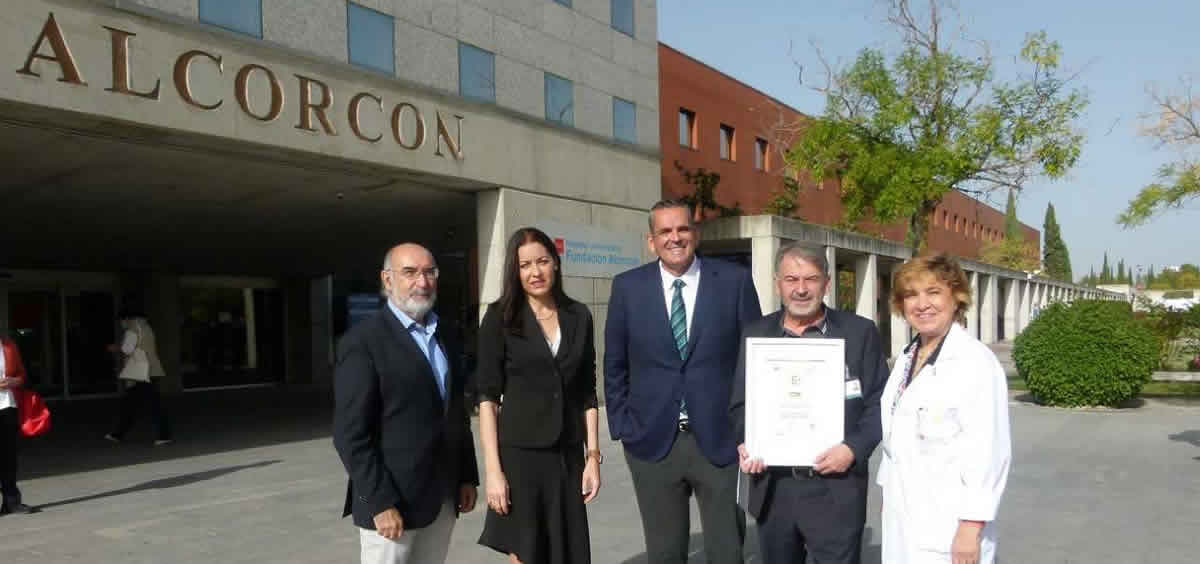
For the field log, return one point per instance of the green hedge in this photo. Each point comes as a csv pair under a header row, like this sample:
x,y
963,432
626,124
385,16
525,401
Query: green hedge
x,y
1088,352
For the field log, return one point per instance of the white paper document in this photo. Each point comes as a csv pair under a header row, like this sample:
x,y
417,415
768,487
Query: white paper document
x,y
795,398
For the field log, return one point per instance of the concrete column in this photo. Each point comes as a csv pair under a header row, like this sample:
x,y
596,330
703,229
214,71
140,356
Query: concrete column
x,y
320,300
251,333
1012,298
162,311
898,329
988,304
1027,289
973,311
297,319
831,296
492,237
762,268
866,282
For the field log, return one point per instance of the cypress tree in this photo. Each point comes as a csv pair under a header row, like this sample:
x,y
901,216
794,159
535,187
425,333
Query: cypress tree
x,y
1056,259
1012,227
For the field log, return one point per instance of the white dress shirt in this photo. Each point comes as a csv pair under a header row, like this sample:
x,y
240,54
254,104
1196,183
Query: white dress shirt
x,y
6,396
691,281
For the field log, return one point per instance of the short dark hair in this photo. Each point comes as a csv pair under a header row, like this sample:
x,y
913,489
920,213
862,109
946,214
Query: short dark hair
x,y
512,295
669,204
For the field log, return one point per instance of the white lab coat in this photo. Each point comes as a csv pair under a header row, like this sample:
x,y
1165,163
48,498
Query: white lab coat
x,y
946,452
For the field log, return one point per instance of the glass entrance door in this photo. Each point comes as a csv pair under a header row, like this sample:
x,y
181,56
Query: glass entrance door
x,y
62,335
34,323
91,326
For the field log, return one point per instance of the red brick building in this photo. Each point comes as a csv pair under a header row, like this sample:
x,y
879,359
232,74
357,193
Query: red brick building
x,y
710,120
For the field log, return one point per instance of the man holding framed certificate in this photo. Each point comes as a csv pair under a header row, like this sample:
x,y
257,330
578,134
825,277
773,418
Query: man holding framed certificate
x,y
805,410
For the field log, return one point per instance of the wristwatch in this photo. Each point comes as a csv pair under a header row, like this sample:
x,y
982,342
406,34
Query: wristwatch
x,y
595,454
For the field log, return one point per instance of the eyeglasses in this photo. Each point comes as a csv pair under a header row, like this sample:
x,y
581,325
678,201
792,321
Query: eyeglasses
x,y
411,274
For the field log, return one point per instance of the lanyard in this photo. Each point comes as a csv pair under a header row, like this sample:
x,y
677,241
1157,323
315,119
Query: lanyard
x,y
905,381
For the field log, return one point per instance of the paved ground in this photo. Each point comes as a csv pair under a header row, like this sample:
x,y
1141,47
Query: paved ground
x,y
254,478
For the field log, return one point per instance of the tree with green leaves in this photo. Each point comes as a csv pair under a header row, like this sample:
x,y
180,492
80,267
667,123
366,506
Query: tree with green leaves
x,y
900,134
1010,252
1175,124
703,197
1105,270
1012,225
1056,260
1120,272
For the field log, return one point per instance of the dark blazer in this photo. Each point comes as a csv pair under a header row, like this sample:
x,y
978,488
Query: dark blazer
x,y
544,396
401,446
644,378
864,361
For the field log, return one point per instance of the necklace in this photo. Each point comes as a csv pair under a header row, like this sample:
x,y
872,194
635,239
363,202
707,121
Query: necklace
x,y
552,313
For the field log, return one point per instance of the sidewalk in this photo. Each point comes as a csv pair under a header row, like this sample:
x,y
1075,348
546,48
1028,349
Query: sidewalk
x,y
253,478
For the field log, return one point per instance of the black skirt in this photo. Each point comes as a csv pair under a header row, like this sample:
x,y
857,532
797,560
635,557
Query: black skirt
x,y
547,520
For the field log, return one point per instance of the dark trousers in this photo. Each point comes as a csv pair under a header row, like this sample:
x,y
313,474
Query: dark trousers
x,y
9,432
663,490
137,396
821,517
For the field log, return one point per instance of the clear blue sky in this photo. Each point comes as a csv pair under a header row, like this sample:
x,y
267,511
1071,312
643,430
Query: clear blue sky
x,y
1119,47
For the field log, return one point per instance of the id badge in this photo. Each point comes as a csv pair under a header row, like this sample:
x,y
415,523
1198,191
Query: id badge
x,y
853,389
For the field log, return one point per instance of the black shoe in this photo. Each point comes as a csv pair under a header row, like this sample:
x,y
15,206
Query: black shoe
x,y
17,508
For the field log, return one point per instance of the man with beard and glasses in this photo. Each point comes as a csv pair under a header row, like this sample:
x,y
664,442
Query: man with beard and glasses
x,y
818,510
671,346
399,424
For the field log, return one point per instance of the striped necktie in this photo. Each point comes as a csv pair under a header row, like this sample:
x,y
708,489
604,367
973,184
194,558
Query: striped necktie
x,y
679,319
679,330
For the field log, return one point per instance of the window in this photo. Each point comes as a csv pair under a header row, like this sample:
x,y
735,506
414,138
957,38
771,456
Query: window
x,y
242,16
566,3
622,16
727,142
946,219
687,128
624,120
476,73
371,38
560,100
760,154
956,223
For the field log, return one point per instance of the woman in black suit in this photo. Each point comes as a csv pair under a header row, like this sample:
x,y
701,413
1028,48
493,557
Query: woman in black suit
x,y
537,361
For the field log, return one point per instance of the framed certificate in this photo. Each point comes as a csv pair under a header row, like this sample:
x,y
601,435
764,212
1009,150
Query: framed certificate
x,y
795,398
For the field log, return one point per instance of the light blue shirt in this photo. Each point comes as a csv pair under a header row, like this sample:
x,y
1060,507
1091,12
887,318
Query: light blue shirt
x,y
423,335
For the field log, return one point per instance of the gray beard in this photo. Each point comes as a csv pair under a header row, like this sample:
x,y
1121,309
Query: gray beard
x,y
417,309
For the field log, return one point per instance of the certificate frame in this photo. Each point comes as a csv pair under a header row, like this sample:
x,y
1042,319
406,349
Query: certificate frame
x,y
795,398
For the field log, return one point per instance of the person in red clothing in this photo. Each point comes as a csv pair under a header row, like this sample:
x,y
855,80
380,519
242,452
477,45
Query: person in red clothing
x,y
12,377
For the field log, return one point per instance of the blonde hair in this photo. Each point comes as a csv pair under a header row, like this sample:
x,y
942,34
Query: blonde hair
x,y
943,268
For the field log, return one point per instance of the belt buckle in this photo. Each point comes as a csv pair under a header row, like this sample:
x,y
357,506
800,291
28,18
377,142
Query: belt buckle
x,y
684,425
803,472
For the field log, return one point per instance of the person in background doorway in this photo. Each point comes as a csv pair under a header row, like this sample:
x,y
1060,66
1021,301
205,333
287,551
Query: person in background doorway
x,y
12,376
140,373
538,412
946,444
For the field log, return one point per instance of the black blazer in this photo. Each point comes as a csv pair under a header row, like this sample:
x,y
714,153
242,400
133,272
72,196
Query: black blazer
x,y
401,446
864,361
544,396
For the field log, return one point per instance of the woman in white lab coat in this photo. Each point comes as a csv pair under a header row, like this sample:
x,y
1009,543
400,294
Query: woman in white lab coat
x,y
946,449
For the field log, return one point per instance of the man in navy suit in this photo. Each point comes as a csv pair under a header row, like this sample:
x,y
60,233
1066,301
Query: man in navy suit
x,y
671,351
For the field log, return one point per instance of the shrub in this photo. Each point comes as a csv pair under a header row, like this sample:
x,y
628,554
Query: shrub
x,y
1085,353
